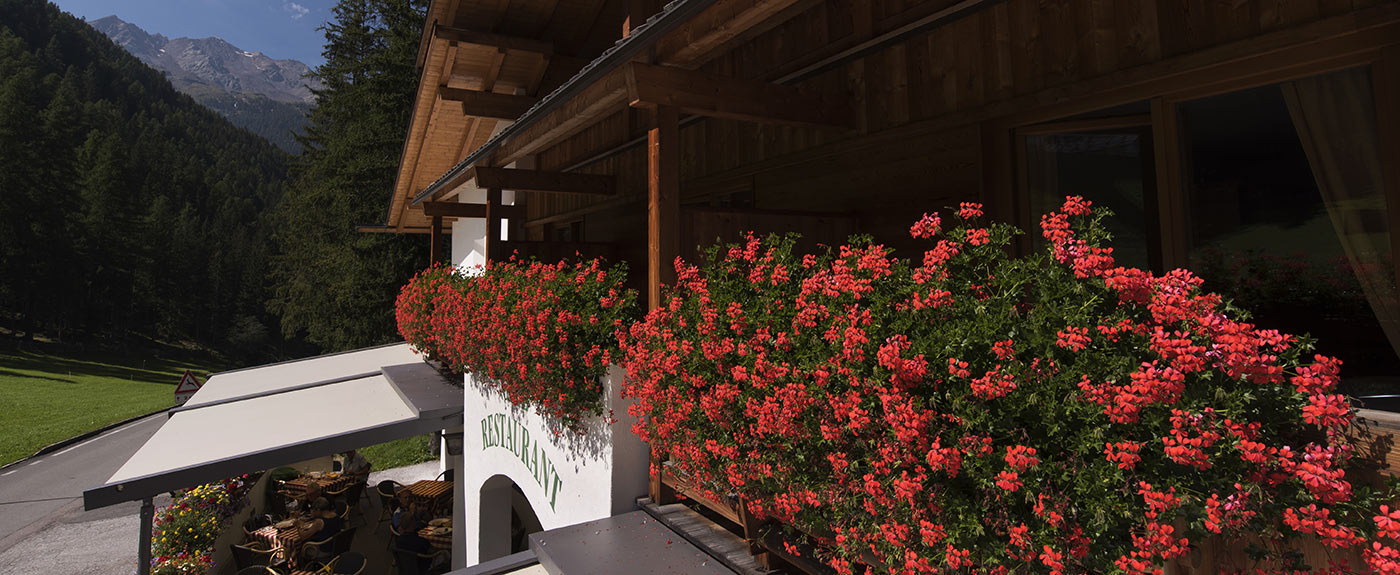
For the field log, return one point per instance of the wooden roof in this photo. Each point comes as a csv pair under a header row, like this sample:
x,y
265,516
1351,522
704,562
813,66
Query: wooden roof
x,y
479,58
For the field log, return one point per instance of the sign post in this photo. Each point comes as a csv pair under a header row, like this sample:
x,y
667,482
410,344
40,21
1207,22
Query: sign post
x,y
188,385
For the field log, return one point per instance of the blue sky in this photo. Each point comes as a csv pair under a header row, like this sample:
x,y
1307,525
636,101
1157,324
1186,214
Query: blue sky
x,y
279,28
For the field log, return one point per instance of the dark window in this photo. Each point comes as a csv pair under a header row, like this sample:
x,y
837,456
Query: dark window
x,y
1110,168
1286,217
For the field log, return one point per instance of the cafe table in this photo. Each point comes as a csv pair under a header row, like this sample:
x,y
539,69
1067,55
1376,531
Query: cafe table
x,y
438,540
297,488
285,540
429,492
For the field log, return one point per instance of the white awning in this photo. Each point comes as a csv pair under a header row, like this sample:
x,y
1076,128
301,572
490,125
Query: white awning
x,y
263,417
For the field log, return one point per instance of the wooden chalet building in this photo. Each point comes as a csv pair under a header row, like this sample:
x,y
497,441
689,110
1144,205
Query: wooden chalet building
x,y
1256,142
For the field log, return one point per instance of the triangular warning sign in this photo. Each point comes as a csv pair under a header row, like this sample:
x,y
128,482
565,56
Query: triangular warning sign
x,y
188,384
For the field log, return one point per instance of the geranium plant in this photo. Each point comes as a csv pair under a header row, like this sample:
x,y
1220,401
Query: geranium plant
x,y
184,533
543,333
976,412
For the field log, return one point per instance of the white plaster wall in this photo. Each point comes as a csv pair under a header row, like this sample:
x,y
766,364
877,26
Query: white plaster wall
x,y
469,234
600,473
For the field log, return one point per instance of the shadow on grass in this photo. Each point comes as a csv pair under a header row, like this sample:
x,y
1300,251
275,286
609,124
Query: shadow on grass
x,y
44,377
74,363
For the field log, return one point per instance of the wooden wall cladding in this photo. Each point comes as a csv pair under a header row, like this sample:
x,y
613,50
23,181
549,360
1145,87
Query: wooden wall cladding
x,y
705,227
1006,50
952,74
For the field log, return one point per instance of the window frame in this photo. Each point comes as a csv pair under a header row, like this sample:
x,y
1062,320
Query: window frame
x,y
1281,66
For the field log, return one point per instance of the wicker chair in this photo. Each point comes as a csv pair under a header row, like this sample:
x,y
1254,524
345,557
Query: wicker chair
x,y
255,523
337,494
349,563
386,490
343,541
315,554
252,554
409,563
393,535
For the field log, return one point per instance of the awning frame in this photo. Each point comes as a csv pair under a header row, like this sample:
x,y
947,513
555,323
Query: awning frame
x,y
436,404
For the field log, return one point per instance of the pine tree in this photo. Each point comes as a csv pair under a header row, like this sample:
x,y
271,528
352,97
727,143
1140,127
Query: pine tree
x,y
126,209
335,285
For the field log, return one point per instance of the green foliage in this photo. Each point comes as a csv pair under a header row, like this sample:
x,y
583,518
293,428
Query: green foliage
x,y
276,121
542,333
398,453
125,207
974,412
336,285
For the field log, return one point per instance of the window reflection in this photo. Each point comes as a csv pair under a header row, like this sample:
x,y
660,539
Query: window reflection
x,y
1286,216
1106,168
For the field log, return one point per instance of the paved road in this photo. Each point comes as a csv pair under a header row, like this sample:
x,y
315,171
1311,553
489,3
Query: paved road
x,y
43,528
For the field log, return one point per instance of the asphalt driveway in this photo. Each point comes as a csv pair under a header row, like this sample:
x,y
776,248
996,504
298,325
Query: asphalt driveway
x,y
43,528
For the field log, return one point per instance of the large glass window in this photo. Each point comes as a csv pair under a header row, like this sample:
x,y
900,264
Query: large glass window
x,y
1111,168
1286,216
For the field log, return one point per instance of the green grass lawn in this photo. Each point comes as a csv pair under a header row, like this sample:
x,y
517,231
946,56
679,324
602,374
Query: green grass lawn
x,y
399,453
48,396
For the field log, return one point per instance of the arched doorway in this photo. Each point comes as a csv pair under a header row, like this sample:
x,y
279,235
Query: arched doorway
x,y
506,517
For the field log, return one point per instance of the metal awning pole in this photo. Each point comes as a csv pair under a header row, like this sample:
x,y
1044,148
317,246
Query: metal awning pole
x,y
148,513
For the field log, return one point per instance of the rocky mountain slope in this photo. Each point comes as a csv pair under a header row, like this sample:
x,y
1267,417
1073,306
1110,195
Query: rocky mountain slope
x,y
268,96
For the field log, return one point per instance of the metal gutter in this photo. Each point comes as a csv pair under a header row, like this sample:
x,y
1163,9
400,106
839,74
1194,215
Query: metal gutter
x,y
642,37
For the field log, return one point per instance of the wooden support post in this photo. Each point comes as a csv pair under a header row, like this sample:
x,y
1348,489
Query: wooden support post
x,y
753,533
493,224
663,200
435,241
663,230
143,554
659,492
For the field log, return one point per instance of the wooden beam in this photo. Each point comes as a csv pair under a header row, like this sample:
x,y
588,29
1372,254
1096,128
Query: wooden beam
x,y
724,24
663,200
733,98
459,210
435,241
547,182
594,103
500,41
493,224
488,104
384,229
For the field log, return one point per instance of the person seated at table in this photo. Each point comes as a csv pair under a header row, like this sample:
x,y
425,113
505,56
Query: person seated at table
x,y
324,521
407,507
355,464
410,540
313,491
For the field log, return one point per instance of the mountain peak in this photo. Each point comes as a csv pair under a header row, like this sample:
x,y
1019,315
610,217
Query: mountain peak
x,y
212,61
